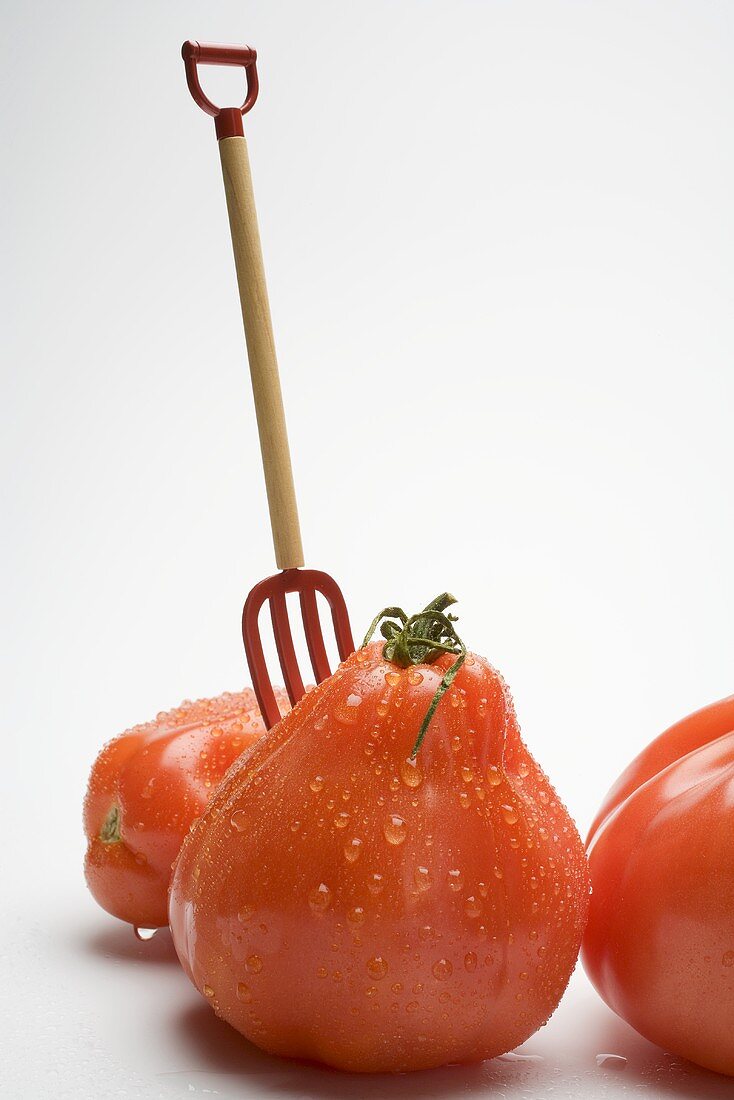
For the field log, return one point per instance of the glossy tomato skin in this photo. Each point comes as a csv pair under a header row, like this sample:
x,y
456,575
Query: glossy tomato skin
x,y
146,788
338,903
659,946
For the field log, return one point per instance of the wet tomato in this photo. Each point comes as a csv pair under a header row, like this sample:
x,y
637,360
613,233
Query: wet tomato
x,y
660,941
146,788
348,899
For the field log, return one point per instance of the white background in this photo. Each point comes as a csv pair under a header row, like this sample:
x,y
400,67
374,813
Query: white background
x,y
499,243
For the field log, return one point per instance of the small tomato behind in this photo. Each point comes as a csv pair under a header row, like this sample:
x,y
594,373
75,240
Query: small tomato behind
x,y
147,787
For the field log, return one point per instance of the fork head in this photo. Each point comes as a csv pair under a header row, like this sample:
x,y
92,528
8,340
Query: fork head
x,y
273,590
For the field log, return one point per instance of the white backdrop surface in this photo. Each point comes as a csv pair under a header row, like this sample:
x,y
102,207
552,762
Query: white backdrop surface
x,y
499,245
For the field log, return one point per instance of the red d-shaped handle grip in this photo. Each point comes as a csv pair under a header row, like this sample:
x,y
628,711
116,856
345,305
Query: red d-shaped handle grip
x,y
227,120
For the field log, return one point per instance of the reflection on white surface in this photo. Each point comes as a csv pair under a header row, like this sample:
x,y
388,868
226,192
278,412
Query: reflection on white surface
x,y
99,1013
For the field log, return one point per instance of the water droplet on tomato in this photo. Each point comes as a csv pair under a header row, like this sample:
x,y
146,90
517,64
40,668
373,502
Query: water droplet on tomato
x,y
494,776
356,915
455,880
377,967
470,961
375,883
472,907
422,879
467,774
317,783
442,969
392,678
415,677
341,820
523,770
727,958
320,898
239,820
395,829
352,850
321,722
510,814
254,964
410,773
243,992
208,991
144,934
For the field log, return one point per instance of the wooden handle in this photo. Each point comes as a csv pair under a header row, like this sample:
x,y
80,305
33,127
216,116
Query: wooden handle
x,y
261,353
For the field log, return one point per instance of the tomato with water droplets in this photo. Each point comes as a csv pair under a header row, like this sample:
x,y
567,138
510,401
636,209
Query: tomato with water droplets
x,y
406,909
146,788
660,941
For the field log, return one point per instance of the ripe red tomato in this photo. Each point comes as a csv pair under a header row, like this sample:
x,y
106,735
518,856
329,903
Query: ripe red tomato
x,y
343,901
659,946
146,788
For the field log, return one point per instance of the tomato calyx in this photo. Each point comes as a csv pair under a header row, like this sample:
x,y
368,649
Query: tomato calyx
x,y
110,833
421,639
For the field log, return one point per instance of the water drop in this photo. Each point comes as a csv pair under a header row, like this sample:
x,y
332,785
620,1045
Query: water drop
x,y
146,934
243,992
510,814
375,883
320,898
494,777
317,783
467,774
422,879
410,773
464,800
611,1061
352,849
239,820
341,820
455,880
442,969
354,700
395,829
472,907
523,770
321,722
208,991
356,915
245,913
470,961
322,972
392,678
727,958
377,967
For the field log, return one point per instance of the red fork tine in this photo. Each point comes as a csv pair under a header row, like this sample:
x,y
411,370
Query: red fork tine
x,y
270,415
273,590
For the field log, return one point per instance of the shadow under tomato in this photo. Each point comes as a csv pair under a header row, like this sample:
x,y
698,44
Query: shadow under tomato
x,y
118,941
219,1049
666,1074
